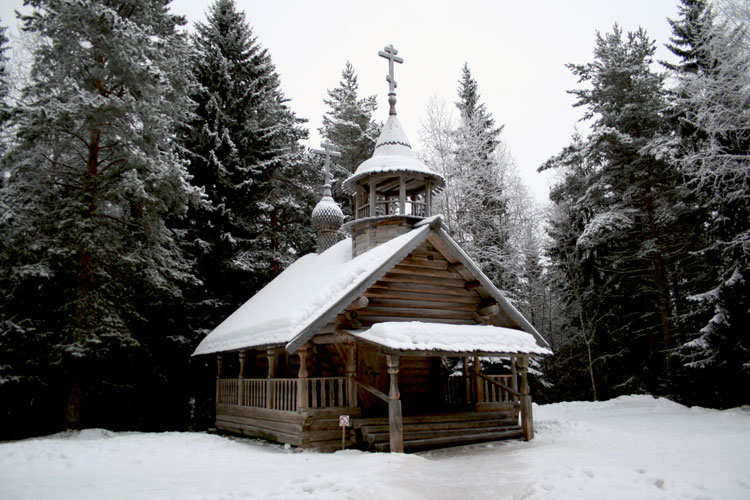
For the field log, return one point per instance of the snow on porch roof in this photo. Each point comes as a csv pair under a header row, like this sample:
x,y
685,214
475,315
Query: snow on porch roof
x,y
417,336
314,284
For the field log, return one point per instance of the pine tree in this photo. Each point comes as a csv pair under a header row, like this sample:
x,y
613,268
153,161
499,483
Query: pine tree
x,y
349,126
88,254
244,152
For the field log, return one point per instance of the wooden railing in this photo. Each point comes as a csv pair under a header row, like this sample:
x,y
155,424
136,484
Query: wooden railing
x,y
392,207
498,392
328,392
494,389
281,393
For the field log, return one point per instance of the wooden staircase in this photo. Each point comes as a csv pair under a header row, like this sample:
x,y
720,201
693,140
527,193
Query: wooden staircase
x,y
437,431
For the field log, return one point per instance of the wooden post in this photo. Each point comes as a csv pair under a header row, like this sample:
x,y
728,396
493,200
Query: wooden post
x,y
478,392
272,360
402,194
513,376
395,420
241,376
372,197
302,379
428,199
527,419
351,368
467,381
218,377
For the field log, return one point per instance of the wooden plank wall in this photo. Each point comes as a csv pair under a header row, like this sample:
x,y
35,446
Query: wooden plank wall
x,y
422,287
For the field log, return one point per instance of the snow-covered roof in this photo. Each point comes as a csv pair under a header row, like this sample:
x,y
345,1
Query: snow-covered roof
x,y
393,153
309,293
438,337
302,294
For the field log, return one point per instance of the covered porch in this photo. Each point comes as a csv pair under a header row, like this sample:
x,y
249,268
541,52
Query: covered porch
x,y
398,399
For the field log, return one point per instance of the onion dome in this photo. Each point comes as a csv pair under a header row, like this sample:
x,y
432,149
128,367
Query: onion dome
x,y
327,216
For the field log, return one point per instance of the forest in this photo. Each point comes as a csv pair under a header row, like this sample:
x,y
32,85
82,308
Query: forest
x,y
153,179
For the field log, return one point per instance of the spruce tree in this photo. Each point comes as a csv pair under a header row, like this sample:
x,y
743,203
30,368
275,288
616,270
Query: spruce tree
x,y
244,151
715,102
88,255
622,253
4,91
349,126
475,188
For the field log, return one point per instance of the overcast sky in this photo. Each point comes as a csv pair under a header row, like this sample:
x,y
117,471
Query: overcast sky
x,y
516,50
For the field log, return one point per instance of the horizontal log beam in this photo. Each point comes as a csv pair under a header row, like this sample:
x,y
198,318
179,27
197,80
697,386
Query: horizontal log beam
x,y
414,312
398,277
422,304
358,303
467,298
435,288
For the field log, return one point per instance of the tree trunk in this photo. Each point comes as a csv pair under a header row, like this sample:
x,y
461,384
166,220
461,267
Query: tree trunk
x,y
75,400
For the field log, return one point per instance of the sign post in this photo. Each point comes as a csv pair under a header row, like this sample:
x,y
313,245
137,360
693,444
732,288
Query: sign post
x,y
344,422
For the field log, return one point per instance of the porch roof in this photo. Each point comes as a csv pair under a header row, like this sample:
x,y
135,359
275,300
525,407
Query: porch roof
x,y
441,339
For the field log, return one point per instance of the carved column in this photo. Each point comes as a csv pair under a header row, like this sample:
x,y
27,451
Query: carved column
x,y
395,420
478,391
272,361
351,368
527,419
302,378
241,376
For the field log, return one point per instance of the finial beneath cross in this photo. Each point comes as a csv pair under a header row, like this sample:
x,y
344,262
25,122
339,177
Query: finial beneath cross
x,y
329,151
390,53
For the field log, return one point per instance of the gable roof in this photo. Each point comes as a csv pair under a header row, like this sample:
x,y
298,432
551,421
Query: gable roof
x,y
315,288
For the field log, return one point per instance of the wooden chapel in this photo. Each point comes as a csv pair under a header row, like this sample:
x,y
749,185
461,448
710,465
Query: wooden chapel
x,y
387,327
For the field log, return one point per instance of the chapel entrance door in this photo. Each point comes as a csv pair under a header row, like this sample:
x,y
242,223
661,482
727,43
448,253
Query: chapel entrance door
x,y
373,371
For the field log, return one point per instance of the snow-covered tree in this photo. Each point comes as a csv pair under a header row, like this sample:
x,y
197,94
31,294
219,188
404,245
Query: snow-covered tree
x,y
349,126
716,100
4,94
619,194
88,255
244,155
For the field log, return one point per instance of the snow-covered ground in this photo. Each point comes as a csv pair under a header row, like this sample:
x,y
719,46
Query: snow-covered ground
x,y
634,447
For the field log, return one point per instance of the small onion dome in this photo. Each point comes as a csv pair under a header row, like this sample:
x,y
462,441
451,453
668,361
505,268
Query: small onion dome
x,y
393,153
327,214
327,218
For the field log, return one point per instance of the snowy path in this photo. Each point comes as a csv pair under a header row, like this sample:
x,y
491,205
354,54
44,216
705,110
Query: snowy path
x,y
632,447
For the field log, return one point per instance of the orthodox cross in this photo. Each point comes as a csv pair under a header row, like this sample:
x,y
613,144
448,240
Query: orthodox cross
x,y
390,53
329,152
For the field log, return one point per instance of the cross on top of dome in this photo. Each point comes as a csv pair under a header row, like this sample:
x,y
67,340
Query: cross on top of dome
x,y
329,152
389,52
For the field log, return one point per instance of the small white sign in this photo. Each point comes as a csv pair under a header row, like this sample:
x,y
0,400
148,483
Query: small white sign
x,y
344,421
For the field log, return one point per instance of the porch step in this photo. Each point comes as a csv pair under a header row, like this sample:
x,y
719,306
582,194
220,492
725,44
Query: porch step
x,y
435,431
458,440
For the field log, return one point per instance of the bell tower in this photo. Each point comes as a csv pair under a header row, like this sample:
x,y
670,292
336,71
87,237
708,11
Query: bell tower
x,y
393,190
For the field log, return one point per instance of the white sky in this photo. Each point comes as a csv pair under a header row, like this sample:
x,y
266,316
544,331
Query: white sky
x,y
516,50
